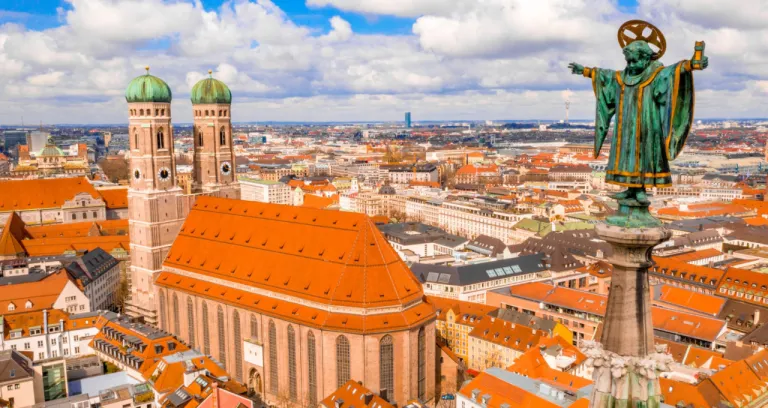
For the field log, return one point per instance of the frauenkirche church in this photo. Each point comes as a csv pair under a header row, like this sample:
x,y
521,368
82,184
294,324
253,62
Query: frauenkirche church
x,y
293,301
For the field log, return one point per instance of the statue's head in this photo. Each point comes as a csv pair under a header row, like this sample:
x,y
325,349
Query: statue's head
x,y
638,55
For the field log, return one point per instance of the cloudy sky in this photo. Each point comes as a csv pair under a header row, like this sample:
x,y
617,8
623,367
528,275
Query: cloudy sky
x,y
69,61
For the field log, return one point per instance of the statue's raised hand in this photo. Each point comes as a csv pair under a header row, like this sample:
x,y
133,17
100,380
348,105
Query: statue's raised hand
x,y
699,60
575,68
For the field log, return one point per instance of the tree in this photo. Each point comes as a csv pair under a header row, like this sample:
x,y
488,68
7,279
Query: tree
x,y
447,386
392,155
122,293
115,168
448,178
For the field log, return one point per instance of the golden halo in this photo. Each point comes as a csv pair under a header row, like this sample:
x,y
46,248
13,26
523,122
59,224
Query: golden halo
x,y
633,30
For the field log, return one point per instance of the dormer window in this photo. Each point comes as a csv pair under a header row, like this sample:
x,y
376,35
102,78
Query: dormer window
x,y
28,305
11,307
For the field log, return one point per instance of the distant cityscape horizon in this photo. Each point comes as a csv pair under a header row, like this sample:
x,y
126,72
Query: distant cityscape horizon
x,y
416,123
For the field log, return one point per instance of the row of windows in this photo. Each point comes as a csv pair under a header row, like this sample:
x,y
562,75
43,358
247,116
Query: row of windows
x,y
211,112
386,352
85,215
160,138
148,112
222,137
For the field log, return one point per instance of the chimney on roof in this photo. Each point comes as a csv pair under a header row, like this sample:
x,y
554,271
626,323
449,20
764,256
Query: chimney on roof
x,y
61,325
214,395
368,397
757,316
338,403
45,321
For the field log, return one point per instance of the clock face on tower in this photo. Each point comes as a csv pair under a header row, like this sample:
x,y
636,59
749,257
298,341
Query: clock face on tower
x,y
137,174
164,173
226,168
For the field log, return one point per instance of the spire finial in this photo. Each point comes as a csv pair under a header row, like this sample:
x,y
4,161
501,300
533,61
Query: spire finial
x,y
210,73
147,68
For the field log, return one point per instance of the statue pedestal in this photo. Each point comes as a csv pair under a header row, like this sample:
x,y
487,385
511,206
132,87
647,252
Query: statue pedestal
x,y
626,363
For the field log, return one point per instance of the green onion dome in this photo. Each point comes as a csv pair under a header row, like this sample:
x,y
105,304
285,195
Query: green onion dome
x,y
210,91
148,88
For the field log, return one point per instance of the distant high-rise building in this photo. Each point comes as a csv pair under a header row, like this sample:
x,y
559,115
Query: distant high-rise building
x,y
408,120
107,138
14,138
37,140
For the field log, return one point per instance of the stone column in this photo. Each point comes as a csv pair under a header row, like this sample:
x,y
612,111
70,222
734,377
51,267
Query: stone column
x,y
626,362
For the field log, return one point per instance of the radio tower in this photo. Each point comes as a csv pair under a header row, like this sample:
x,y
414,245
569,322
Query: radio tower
x,y
567,105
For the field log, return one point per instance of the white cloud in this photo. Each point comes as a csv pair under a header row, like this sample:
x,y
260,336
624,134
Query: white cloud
x,y
400,8
49,79
463,59
341,31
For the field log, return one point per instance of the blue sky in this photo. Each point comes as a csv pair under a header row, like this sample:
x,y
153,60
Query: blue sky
x,y
42,14
69,61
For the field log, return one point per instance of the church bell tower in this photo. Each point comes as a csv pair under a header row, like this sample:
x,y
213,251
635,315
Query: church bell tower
x,y
153,196
214,156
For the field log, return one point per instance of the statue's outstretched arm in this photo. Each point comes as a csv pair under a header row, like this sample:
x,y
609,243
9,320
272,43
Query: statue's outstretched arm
x,y
576,69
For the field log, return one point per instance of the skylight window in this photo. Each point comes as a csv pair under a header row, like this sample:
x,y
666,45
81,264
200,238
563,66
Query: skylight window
x,y
491,273
516,268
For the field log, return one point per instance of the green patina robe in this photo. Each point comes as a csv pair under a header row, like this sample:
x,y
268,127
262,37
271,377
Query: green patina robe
x,y
654,112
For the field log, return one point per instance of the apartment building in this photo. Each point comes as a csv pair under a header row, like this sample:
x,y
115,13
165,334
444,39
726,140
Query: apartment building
x,y
414,239
16,379
464,218
265,191
455,320
421,173
471,282
99,274
38,291
48,334
584,311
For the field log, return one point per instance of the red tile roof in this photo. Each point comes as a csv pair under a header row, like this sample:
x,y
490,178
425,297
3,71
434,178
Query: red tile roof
x,y
354,395
491,169
688,299
696,255
114,198
18,195
678,393
533,365
673,321
501,393
42,294
10,237
325,258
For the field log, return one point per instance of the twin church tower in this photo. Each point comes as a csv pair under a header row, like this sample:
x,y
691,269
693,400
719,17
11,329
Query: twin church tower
x,y
157,205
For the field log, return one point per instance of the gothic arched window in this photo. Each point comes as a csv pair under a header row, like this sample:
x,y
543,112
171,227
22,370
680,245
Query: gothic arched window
x,y
422,364
160,139
191,322
222,340
222,136
238,348
312,367
292,387
136,140
272,358
162,312
176,323
342,361
386,366
206,334
254,327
